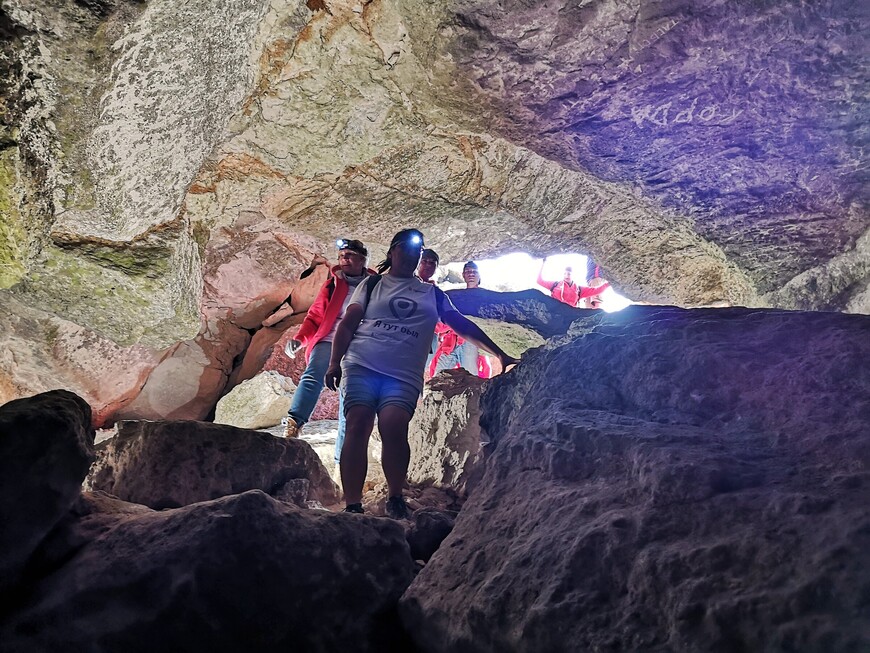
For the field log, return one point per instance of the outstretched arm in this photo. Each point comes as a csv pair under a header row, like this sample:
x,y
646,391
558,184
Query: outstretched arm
x,y
343,335
470,331
591,291
541,281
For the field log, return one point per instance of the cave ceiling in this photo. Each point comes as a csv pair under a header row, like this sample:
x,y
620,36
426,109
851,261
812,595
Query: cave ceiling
x,y
154,156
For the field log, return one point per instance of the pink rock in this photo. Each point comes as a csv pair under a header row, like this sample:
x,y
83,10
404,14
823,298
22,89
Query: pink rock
x,y
190,380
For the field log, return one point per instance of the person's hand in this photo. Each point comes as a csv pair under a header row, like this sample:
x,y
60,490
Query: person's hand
x,y
506,360
333,376
292,347
319,259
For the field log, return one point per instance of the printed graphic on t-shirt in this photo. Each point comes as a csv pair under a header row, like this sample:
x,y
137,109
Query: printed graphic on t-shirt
x,y
395,335
402,307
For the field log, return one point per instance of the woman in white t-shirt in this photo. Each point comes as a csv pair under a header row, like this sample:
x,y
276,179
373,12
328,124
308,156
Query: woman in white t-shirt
x,y
378,354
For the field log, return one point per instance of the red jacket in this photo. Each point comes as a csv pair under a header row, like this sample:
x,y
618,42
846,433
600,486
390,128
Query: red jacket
x,y
324,311
569,294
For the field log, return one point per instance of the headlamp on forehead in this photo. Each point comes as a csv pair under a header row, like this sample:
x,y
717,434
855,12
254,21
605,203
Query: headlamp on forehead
x,y
408,238
352,245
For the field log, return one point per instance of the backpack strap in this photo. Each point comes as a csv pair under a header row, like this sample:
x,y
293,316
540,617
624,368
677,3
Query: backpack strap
x,y
555,283
330,287
371,282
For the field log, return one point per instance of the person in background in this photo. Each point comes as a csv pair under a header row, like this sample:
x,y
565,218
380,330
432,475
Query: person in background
x,y
566,290
453,351
378,354
428,265
317,333
593,273
426,271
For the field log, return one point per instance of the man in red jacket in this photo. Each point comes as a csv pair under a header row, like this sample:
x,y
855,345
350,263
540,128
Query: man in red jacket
x,y
566,291
317,332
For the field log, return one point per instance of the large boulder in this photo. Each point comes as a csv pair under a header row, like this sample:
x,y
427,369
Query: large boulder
x,y
444,433
46,446
189,380
241,573
40,351
256,403
666,479
176,463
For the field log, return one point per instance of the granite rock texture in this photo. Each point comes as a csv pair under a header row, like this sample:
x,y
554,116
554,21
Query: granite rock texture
x,y
701,153
444,433
666,479
744,118
240,573
175,463
46,446
167,170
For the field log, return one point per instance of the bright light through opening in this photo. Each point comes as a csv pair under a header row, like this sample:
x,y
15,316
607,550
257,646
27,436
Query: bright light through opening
x,y
519,271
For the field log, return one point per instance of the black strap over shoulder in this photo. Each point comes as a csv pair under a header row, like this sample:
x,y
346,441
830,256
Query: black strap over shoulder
x,y
371,282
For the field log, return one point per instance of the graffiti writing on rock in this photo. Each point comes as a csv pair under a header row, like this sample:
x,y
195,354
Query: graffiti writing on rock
x,y
668,115
643,44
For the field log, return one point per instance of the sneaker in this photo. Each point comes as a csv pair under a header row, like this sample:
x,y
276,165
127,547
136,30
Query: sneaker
x,y
291,428
355,508
397,508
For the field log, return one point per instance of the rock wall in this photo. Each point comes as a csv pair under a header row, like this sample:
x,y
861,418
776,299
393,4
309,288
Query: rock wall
x,y
167,170
669,142
665,479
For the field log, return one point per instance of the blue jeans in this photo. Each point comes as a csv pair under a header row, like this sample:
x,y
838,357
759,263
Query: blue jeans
x,y
308,392
465,355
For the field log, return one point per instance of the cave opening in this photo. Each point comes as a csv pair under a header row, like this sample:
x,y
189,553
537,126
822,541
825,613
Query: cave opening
x,y
518,271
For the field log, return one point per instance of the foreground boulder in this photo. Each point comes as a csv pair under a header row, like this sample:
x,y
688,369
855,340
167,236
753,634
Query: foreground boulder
x,y
444,433
176,463
241,573
46,446
667,480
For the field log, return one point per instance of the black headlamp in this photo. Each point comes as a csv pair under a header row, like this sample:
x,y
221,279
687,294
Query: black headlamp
x,y
352,245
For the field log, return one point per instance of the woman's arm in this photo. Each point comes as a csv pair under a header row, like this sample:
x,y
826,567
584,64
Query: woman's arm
x,y
343,335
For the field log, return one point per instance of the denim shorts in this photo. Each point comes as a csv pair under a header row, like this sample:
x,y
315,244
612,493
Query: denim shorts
x,y
366,387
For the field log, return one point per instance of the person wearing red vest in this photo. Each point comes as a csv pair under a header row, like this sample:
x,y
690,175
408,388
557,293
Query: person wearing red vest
x,y
317,332
453,351
566,291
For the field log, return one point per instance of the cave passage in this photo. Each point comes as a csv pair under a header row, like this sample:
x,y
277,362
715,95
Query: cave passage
x,y
519,271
